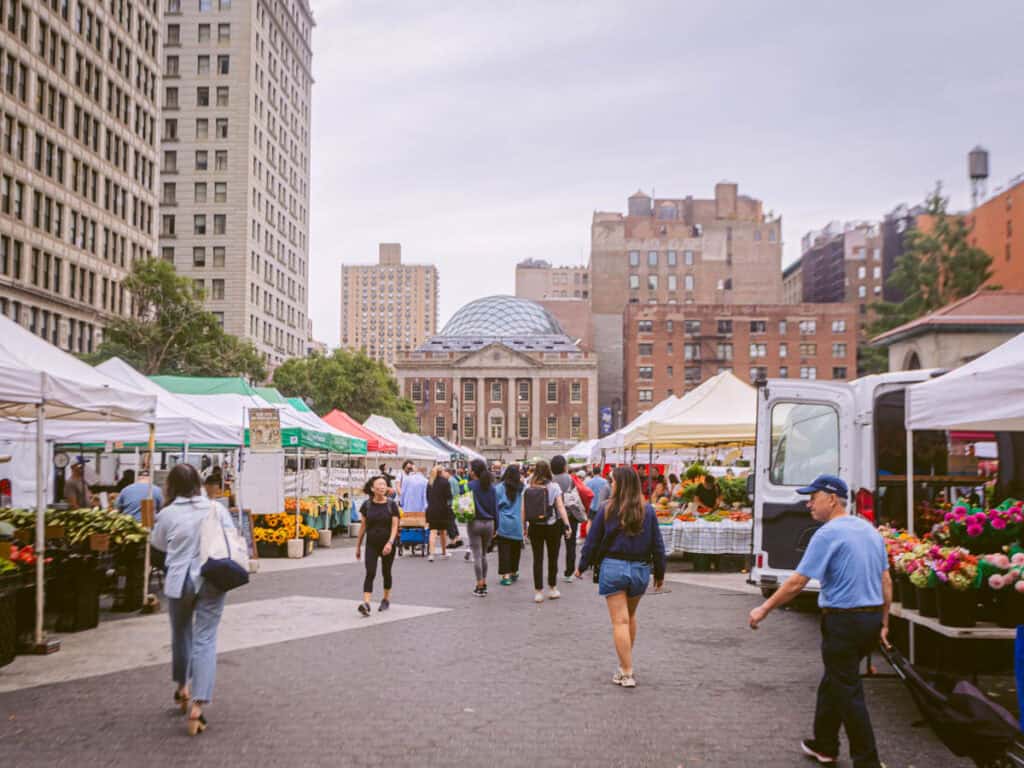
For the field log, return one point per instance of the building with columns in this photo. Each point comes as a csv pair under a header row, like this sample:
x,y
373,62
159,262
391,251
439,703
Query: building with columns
x,y
503,378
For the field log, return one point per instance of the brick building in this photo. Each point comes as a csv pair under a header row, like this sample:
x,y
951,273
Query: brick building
x,y
670,349
502,377
563,291
793,283
997,227
685,251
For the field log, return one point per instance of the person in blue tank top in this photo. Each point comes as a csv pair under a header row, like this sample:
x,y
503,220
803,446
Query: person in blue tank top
x,y
847,557
510,524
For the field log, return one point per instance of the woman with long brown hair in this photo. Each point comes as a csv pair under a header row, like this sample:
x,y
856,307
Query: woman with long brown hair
x,y
624,542
542,511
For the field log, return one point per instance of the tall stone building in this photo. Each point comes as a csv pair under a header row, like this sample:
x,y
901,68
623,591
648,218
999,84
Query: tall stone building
x,y
78,162
722,250
235,164
997,227
564,291
503,377
388,307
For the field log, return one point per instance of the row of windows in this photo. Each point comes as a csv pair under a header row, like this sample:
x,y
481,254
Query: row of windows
x,y
420,391
725,327
174,6
723,351
200,192
671,282
654,258
496,426
693,376
202,160
199,220
47,325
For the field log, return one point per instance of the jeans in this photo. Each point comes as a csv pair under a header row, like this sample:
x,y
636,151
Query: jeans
x,y
846,638
509,551
570,547
373,552
543,537
194,621
480,534
623,576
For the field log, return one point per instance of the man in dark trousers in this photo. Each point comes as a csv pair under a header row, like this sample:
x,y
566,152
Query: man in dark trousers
x,y
847,556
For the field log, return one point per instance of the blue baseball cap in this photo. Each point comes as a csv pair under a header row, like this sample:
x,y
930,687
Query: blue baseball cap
x,y
828,484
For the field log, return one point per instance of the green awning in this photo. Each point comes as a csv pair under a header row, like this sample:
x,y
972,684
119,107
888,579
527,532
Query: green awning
x,y
205,385
271,395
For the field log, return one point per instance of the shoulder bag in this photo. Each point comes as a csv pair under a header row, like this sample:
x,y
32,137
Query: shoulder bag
x,y
222,552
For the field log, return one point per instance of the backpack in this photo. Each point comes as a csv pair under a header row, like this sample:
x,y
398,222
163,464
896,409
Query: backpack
x,y
535,505
574,504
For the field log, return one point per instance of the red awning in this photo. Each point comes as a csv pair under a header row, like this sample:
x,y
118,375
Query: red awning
x,y
374,442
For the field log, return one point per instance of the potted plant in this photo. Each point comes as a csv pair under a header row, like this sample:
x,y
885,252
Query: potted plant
x,y
957,573
1005,580
922,576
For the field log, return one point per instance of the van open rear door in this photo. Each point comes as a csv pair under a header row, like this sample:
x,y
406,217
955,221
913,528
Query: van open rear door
x,y
804,429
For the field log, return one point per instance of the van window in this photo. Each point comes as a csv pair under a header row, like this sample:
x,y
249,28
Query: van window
x,y
805,442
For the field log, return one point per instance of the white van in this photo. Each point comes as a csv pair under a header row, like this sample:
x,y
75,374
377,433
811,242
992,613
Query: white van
x,y
855,430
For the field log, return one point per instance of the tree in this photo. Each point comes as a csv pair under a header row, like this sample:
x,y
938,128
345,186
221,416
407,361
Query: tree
x,y
349,381
170,332
938,266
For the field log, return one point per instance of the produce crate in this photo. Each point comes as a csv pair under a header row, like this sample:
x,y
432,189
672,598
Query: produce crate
x,y
77,594
8,617
130,559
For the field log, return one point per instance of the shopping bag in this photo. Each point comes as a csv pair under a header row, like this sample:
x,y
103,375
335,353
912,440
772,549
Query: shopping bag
x,y
222,552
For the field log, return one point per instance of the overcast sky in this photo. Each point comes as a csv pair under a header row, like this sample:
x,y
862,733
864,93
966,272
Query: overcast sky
x,y
480,133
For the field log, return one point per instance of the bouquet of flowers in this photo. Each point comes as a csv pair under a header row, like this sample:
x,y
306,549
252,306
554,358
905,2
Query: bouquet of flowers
x,y
465,509
918,564
1003,572
957,568
983,531
897,544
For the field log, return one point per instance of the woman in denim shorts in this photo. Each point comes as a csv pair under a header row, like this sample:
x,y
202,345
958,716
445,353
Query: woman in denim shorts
x,y
624,541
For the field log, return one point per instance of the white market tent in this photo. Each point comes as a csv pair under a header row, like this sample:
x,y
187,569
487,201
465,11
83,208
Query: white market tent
x,y
613,445
40,382
409,446
721,411
986,394
581,451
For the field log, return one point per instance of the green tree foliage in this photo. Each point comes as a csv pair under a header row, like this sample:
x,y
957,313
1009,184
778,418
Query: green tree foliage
x,y
170,332
349,381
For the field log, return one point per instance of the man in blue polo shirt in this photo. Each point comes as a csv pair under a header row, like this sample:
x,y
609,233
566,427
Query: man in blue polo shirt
x,y
847,556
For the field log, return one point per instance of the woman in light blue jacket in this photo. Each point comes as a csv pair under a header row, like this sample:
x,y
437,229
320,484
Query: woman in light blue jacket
x,y
194,605
510,524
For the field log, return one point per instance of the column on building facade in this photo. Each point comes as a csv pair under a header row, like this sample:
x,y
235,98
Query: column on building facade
x,y
482,435
592,428
457,393
535,384
511,395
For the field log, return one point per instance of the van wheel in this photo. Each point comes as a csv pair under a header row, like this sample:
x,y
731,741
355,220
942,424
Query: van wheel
x,y
767,592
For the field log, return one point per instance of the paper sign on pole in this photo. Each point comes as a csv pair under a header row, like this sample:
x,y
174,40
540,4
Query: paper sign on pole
x,y
264,430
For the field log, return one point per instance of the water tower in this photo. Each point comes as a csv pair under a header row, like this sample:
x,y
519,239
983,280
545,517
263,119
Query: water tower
x,y
977,169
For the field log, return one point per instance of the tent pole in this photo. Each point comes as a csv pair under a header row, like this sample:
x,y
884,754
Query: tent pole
x,y
40,519
146,605
910,522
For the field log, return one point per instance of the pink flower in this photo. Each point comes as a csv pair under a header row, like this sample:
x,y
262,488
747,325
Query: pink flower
x,y
974,530
942,576
1017,559
998,523
960,509
996,581
1019,586
1000,561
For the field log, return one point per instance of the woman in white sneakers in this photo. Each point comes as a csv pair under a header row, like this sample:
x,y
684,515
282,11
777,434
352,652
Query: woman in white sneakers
x,y
545,521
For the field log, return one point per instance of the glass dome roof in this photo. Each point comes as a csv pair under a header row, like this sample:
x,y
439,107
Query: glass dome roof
x,y
502,317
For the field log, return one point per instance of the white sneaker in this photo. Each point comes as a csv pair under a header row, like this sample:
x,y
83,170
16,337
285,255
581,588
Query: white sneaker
x,y
446,556
554,594
568,579
628,681
539,597
430,558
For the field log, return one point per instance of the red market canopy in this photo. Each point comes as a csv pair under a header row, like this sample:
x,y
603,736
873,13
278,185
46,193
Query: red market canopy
x,y
374,442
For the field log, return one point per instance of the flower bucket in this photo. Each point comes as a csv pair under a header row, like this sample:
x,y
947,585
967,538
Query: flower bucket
x,y
296,548
1009,607
897,589
957,607
908,593
325,538
927,602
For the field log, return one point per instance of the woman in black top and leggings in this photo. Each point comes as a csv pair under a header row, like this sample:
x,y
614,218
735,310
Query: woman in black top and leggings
x,y
380,529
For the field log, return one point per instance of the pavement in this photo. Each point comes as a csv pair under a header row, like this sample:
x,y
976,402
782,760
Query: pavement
x,y
445,678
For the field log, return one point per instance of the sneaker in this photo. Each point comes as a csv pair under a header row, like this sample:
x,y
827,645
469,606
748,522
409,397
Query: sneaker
x,y
480,591
568,579
430,558
469,555
456,544
364,608
384,604
515,577
506,582
618,677
539,597
554,594
813,749
446,556
628,681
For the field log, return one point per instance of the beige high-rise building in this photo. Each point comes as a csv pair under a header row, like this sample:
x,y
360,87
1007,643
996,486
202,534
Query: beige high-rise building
x,y
234,197
537,280
78,160
388,307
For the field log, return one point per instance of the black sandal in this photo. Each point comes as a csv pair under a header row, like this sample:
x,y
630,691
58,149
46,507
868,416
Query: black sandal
x,y
181,700
364,608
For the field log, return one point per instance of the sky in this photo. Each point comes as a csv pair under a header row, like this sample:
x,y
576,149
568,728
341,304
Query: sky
x,y
480,133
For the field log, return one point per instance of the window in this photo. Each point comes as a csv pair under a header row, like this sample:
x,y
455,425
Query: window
x,y
170,130
805,443
199,224
524,391
645,395
198,257
166,226
224,5
575,427
862,291
469,391
223,33
758,326
645,349
220,192
688,282
669,326
217,288
783,349
199,288
220,223
645,372
223,65
691,351
495,391
172,66
691,374
691,327
202,159
166,253
199,192
218,256
170,98
839,372
524,426
204,37
652,258
839,350
575,392
688,258
222,95
783,327
221,128
169,196
173,34
634,282
205,5
758,372
672,258
203,62
672,283
220,160
783,372
440,392
439,425
552,427
808,327
652,282
202,96
202,128
552,391
634,258
645,326
838,326
759,350
808,372
757,235
862,272
808,350
876,273
725,326
416,392
468,427
724,351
